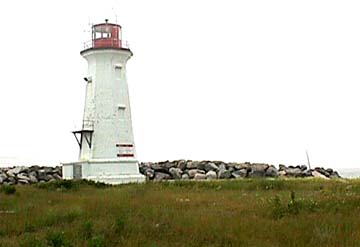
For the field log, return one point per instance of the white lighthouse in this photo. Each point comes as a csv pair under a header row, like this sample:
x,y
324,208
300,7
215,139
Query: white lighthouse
x,y
107,149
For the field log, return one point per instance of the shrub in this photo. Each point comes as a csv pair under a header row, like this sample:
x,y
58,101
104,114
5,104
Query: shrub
x,y
59,185
87,230
99,185
8,189
97,241
119,225
56,239
29,227
293,207
58,217
30,241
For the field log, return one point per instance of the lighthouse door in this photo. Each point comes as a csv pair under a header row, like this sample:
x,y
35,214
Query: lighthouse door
x,y
77,171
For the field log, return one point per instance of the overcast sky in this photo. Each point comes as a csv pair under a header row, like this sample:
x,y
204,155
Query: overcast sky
x,y
258,80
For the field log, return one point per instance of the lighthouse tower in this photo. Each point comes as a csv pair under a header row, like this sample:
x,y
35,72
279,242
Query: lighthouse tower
x,y
107,149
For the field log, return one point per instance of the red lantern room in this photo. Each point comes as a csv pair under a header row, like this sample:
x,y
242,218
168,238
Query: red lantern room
x,y
105,35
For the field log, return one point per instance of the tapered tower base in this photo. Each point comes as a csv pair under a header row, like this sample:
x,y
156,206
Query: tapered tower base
x,y
106,171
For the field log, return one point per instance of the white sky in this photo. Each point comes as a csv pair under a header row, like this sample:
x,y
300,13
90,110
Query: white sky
x,y
258,80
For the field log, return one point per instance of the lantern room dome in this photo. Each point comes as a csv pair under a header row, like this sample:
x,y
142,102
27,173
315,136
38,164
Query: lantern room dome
x,y
105,36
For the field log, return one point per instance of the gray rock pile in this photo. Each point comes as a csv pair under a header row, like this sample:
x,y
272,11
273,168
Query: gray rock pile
x,y
29,175
201,170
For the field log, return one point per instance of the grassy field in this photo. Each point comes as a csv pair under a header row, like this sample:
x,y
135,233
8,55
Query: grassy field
x,y
299,212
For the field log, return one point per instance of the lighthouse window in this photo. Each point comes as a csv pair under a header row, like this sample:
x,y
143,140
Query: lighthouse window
x,y
98,35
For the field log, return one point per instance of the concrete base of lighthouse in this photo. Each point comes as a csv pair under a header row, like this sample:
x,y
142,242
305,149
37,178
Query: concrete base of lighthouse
x,y
106,171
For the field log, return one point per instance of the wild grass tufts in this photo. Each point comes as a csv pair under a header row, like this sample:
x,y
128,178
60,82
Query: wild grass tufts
x,y
253,212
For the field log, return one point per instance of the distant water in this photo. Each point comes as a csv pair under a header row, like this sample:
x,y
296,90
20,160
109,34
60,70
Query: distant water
x,y
349,172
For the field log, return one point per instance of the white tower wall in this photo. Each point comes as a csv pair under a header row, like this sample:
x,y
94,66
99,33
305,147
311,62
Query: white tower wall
x,y
107,105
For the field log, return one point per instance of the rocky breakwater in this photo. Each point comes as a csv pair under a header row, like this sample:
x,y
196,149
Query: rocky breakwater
x,y
29,175
207,170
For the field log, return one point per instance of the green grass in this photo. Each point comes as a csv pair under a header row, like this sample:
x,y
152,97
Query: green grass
x,y
295,212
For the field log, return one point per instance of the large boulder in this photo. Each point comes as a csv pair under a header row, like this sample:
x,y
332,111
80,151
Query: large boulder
x,y
211,167
22,176
272,172
192,173
181,164
157,167
160,176
224,174
3,177
211,175
199,176
258,170
293,172
33,179
185,176
241,166
175,172
149,173
238,174
14,171
317,174
335,174
192,164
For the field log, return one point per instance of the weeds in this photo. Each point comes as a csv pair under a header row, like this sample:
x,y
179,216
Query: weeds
x,y
87,230
31,241
8,189
119,225
70,185
97,241
292,207
249,212
57,239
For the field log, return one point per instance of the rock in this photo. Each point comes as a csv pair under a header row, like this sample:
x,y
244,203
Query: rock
x,y
211,175
199,176
11,180
192,172
211,167
3,177
335,175
272,172
293,172
303,167
241,166
306,173
175,172
222,166
282,173
160,176
14,171
223,174
149,173
201,165
33,179
317,174
167,165
34,168
258,170
48,177
23,181
192,164
22,176
185,176
181,164
329,170
238,174
282,167
57,176
159,168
